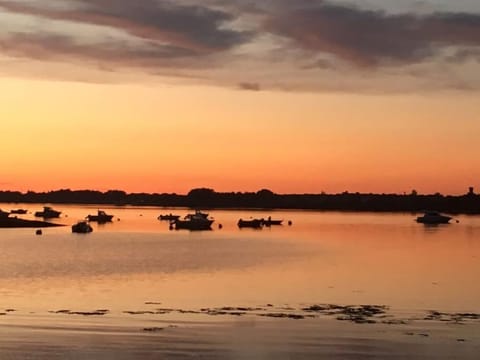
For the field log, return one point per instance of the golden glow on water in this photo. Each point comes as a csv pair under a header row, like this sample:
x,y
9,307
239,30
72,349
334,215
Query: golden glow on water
x,y
323,258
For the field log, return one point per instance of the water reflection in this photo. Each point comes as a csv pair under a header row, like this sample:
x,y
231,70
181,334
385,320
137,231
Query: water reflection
x,y
433,228
324,257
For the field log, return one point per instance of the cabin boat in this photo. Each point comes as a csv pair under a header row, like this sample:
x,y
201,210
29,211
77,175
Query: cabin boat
x,y
195,222
82,227
199,214
433,218
253,224
101,217
48,213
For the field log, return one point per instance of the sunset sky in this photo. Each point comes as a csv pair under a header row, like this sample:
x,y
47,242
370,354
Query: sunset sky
x,y
239,95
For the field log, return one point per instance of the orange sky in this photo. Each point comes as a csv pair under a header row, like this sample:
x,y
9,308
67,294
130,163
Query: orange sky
x,y
160,138
294,96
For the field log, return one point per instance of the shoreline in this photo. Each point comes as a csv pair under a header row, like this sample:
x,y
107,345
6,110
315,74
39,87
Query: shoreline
x,y
261,200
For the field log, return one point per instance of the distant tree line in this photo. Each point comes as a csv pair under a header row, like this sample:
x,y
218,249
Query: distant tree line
x,y
264,199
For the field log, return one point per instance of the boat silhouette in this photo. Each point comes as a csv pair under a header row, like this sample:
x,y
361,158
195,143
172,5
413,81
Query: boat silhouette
x,y
253,224
433,218
101,217
82,227
168,217
195,222
48,213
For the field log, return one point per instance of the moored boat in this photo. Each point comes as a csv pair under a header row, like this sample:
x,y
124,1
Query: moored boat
x,y
101,217
18,211
48,213
271,222
82,227
253,224
168,217
433,218
194,222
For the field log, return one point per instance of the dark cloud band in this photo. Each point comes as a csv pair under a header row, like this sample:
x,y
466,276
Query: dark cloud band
x,y
306,39
372,38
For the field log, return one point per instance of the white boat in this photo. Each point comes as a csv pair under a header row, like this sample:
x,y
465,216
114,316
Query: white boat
x,y
433,217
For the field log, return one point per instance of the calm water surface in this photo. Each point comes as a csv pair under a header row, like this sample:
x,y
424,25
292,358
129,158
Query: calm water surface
x,y
325,257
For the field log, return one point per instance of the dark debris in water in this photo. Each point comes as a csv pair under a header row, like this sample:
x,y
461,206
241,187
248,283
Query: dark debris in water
x,y
222,311
181,311
60,312
139,312
157,329
395,322
284,315
425,335
151,312
153,329
164,310
228,310
360,314
456,318
100,312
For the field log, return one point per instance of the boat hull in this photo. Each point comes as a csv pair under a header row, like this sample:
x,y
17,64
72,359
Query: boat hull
x,y
269,223
48,215
169,217
193,225
434,220
19,211
100,219
252,224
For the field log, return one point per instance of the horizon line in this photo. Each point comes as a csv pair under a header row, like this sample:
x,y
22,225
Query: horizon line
x,y
266,190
